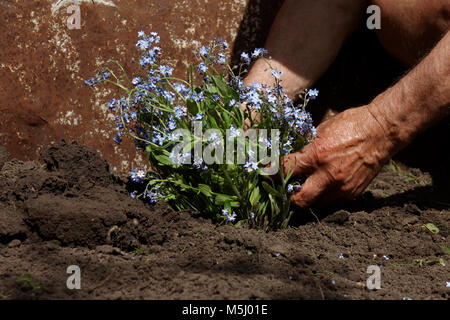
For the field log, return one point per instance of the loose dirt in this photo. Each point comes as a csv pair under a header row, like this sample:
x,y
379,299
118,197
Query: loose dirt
x,y
70,210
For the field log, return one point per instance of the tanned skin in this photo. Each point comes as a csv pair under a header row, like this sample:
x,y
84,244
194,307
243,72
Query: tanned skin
x,y
352,147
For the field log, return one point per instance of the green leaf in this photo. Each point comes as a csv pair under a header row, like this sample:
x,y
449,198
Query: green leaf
x,y
213,123
205,189
221,85
239,224
275,207
431,227
163,160
235,204
255,196
271,190
223,198
419,262
446,249
227,119
423,262
212,89
192,107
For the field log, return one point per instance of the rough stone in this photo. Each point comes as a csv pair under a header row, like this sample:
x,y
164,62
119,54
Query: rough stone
x,y
43,64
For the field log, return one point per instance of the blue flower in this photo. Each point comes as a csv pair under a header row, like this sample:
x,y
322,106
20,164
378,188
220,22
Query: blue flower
x,y
133,194
143,44
224,43
181,89
172,124
254,98
202,68
313,132
176,158
199,116
112,104
197,97
166,70
271,98
154,37
126,118
232,102
153,195
245,58
313,93
222,59
251,166
230,216
234,133
100,77
137,176
258,52
136,81
204,51
340,256
179,111
213,137
89,82
198,163
277,74
119,125
290,188
276,254
265,142
117,139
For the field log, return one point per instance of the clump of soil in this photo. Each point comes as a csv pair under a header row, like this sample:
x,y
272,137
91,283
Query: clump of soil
x,y
70,210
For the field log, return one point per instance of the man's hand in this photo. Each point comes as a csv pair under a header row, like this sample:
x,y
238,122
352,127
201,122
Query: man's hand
x,y
347,154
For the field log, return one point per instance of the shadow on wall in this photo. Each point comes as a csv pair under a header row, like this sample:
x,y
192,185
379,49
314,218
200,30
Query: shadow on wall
x,y
255,26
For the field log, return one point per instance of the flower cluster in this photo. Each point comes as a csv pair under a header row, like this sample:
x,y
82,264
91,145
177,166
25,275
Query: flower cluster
x,y
161,112
102,76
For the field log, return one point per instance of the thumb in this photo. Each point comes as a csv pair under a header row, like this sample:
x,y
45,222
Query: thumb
x,y
300,162
312,189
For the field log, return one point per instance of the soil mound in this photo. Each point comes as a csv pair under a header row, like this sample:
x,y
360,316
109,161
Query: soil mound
x,y
70,210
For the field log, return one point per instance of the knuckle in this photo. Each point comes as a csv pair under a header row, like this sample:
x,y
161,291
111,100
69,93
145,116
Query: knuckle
x,y
346,190
298,200
314,153
337,175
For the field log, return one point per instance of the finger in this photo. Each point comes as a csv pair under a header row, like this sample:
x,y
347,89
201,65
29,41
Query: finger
x,y
297,163
312,190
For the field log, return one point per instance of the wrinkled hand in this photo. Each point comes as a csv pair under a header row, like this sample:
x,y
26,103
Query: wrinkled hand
x,y
347,154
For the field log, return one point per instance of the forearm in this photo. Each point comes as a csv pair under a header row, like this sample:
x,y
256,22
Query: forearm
x,y
305,39
418,100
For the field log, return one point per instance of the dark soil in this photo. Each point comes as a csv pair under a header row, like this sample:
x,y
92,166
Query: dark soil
x,y
71,210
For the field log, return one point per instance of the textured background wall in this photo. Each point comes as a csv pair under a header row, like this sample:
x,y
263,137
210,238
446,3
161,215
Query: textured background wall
x,y
43,64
